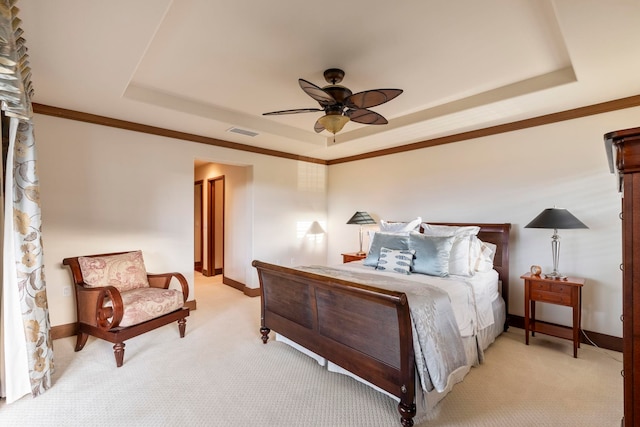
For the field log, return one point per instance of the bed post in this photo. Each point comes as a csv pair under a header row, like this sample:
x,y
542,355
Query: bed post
x,y
265,333
407,412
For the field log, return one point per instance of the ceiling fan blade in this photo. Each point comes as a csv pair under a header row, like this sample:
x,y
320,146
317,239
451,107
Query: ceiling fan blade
x,y
316,93
367,117
296,111
371,98
318,127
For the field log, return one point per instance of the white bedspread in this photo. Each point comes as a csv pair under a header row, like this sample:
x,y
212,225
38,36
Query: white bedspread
x,y
438,347
471,297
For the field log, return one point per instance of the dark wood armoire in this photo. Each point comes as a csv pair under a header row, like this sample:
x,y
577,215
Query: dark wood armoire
x,y
623,151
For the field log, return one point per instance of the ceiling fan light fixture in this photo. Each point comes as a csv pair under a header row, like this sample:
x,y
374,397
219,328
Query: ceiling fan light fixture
x,y
340,105
333,122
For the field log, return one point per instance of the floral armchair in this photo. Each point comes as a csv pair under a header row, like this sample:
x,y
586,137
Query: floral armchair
x,y
116,299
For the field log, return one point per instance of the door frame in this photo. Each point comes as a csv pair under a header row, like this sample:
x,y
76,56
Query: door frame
x,y
197,266
211,222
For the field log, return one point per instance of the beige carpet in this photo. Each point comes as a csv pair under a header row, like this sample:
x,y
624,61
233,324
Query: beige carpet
x,y
221,374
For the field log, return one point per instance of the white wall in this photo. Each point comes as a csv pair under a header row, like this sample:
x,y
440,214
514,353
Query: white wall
x,y
106,189
511,178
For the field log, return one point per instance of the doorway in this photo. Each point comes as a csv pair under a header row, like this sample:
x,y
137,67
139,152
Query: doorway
x,y
215,226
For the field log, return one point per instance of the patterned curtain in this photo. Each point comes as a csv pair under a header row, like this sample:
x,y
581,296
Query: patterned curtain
x,y
26,352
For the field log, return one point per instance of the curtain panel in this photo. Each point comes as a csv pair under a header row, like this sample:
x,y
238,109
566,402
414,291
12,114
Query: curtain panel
x,y
26,350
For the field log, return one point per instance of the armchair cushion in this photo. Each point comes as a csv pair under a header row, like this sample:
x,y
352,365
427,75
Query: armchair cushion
x,y
144,304
123,271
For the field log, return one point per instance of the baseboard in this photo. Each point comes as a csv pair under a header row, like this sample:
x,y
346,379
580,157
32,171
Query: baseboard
x,y
600,340
63,331
250,292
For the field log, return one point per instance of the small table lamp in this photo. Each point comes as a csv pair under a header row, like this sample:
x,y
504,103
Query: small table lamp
x,y
361,218
555,218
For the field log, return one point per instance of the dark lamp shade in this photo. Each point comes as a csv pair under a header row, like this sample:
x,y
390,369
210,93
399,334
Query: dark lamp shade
x,y
361,218
556,218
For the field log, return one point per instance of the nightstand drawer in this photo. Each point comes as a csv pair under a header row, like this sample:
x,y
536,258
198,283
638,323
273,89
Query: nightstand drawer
x,y
558,288
550,296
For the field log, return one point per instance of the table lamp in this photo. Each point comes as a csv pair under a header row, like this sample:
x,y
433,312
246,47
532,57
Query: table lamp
x,y
555,218
361,218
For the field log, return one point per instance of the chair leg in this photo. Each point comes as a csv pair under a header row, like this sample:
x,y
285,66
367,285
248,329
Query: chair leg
x,y
81,340
118,352
182,325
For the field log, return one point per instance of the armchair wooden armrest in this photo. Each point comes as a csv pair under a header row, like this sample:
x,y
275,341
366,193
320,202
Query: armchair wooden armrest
x,y
91,309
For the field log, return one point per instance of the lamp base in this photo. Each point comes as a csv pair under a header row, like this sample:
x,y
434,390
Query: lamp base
x,y
361,253
555,276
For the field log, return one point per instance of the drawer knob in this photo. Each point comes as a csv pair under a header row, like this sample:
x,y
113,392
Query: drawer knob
x,y
622,373
621,215
622,317
621,267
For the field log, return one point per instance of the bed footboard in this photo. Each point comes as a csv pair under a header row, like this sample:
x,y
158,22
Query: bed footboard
x,y
363,329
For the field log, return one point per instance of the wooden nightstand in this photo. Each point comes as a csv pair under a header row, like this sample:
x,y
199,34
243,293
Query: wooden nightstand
x,y
566,292
352,256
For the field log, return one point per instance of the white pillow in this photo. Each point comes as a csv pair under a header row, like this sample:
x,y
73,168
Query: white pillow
x,y
449,230
397,261
487,253
461,259
400,227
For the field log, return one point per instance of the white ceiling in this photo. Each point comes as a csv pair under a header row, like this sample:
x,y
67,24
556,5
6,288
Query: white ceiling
x,y
204,66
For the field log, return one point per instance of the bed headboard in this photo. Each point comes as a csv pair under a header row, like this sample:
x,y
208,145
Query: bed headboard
x,y
498,234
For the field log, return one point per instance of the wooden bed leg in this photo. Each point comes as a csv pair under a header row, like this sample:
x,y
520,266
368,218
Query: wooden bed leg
x,y
182,324
407,412
265,334
81,340
118,352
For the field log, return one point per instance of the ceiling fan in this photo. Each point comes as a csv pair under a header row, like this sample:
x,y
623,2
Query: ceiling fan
x,y
340,105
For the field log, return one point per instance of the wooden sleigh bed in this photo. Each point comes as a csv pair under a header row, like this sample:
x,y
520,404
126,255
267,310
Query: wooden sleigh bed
x,y
363,329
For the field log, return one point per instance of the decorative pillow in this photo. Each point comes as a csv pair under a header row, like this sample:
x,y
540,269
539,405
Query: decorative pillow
x,y
387,240
432,253
398,261
461,260
125,271
400,227
484,261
